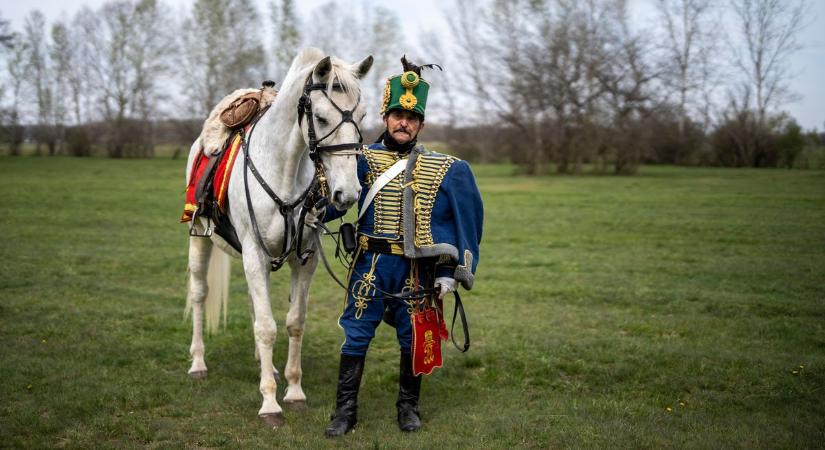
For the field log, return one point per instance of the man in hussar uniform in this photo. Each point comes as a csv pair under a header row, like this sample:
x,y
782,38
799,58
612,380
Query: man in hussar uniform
x,y
419,227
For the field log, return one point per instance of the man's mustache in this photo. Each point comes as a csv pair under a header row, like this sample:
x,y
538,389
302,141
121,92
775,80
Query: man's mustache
x,y
404,129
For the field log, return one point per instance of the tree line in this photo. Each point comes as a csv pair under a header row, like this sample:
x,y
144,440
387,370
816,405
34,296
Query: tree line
x,y
548,84
134,72
575,82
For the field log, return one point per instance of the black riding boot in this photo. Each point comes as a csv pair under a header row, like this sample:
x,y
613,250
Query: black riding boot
x,y
346,400
409,389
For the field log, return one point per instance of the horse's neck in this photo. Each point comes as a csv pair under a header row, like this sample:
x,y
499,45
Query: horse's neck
x,y
279,152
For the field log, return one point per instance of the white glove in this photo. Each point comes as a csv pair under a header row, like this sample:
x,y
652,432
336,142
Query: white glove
x,y
447,285
312,218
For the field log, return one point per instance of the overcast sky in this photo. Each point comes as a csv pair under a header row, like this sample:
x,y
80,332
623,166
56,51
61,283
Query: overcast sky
x,y
427,17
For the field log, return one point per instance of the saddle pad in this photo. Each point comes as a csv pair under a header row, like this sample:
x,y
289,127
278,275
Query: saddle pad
x,y
220,181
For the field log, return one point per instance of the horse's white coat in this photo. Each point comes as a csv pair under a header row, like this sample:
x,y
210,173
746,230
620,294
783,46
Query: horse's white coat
x,y
278,147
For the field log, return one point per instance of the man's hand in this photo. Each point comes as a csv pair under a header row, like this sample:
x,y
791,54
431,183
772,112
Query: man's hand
x,y
447,285
312,218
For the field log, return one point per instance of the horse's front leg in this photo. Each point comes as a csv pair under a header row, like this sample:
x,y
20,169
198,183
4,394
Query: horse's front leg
x,y
257,277
295,319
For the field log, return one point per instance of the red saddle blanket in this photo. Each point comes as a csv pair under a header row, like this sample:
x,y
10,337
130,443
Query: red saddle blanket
x,y
220,182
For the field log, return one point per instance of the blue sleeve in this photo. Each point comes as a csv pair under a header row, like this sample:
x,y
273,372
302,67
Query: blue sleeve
x,y
468,214
331,213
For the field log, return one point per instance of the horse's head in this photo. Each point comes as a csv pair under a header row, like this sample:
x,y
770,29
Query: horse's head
x,y
333,128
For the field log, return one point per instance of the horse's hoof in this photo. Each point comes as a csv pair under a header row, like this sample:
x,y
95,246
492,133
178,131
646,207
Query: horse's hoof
x,y
197,375
273,420
296,405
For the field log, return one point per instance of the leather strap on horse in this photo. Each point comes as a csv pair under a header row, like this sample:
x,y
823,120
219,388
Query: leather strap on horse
x,y
305,108
286,209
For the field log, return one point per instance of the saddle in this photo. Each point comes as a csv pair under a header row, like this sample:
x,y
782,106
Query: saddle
x,y
221,140
233,112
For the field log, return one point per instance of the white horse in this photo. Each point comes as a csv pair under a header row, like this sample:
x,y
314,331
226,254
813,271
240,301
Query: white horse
x,y
279,147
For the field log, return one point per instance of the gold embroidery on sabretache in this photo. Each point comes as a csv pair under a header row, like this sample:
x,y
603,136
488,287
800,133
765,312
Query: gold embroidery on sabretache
x,y
429,343
427,176
387,202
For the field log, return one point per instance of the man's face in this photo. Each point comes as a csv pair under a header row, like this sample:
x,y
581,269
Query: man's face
x,y
402,125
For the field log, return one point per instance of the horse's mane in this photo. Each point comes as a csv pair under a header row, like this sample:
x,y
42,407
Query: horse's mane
x,y
306,60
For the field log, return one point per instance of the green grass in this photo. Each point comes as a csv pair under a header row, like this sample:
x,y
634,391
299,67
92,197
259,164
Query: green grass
x,y
671,309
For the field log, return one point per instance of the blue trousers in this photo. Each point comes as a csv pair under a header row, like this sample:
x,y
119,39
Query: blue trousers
x,y
372,273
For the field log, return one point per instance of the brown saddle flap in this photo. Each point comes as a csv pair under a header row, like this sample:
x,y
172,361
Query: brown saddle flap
x,y
242,110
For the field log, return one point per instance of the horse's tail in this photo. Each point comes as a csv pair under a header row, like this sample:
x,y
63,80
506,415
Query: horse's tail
x,y
217,296
217,299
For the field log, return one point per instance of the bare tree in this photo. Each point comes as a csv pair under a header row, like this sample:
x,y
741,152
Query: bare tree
x,y
497,50
221,51
34,32
535,67
627,78
16,68
60,56
689,45
287,35
6,35
127,52
443,83
149,52
769,29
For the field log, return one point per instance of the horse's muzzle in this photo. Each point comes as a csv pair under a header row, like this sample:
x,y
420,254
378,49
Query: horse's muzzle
x,y
343,201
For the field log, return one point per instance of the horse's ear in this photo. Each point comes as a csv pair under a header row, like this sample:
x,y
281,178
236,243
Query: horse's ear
x,y
322,70
362,68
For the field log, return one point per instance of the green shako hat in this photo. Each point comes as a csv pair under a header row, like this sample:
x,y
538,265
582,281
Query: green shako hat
x,y
407,91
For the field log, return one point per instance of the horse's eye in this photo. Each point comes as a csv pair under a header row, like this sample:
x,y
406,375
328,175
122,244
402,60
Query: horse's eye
x,y
321,120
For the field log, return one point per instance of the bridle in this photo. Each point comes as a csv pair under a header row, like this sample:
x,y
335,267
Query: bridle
x,y
305,108
316,194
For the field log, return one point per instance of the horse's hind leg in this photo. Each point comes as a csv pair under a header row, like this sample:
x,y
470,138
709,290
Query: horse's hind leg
x,y
295,319
199,251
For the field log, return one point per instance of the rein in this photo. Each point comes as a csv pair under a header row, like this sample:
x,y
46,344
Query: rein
x,y
315,195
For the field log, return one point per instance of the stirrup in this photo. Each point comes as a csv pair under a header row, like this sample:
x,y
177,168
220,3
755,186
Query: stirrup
x,y
193,232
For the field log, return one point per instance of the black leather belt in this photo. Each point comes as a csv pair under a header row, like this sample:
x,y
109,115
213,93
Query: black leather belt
x,y
379,245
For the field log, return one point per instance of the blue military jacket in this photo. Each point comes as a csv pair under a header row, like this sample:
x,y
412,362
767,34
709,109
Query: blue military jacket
x,y
434,207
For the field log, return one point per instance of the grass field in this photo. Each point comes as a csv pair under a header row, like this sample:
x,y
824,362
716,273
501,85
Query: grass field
x,y
677,308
